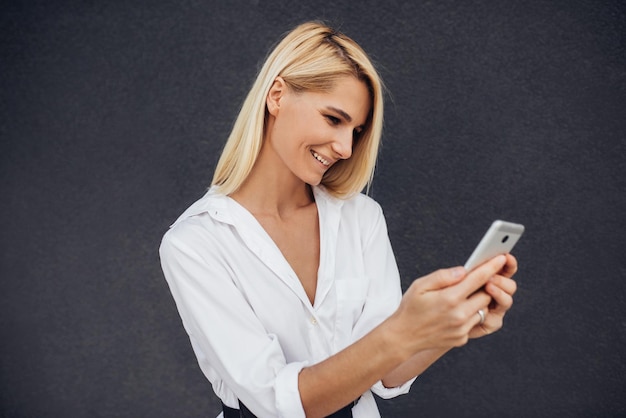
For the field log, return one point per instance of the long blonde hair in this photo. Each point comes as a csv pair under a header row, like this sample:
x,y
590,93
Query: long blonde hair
x,y
312,57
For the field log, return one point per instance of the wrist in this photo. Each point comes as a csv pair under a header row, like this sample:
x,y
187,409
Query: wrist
x,y
394,340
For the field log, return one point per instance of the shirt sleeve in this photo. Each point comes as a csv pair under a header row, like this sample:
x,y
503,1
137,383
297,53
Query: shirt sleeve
x,y
229,340
385,292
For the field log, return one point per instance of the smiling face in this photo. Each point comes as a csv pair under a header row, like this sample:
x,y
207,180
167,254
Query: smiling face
x,y
307,132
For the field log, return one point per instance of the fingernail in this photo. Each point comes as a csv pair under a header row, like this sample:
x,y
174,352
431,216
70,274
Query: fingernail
x,y
458,272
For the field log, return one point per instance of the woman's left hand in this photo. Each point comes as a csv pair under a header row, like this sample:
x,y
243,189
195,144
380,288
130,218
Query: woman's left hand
x,y
501,289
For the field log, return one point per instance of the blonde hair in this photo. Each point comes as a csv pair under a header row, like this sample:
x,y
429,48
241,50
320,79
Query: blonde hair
x,y
312,57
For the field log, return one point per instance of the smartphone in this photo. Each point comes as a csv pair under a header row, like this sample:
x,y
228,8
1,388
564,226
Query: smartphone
x,y
500,238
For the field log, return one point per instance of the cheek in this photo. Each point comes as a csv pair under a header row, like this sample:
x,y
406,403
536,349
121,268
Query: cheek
x,y
279,132
285,141
294,132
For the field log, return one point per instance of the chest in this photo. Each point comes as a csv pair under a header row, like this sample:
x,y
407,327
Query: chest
x,y
305,331
298,239
259,257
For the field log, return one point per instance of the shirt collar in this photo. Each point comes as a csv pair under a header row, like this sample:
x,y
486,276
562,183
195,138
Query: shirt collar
x,y
322,197
213,203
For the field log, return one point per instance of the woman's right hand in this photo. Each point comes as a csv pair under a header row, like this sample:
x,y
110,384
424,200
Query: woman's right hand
x,y
439,310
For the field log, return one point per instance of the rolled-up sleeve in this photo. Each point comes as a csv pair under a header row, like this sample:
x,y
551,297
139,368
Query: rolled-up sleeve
x,y
288,401
388,393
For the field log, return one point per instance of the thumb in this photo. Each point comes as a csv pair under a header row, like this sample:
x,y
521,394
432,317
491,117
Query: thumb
x,y
442,278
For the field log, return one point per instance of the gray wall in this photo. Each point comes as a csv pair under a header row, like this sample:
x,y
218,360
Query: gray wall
x,y
113,115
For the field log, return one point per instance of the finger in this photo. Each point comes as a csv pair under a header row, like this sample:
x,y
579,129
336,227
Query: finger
x,y
442,279
506,284
479,322
479,276
510,268
502,301
481,330
482,316
477,301
493,322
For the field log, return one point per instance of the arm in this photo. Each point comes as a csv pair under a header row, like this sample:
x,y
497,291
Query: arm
x,y
436,313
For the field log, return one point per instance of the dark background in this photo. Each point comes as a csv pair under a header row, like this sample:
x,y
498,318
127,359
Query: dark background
x,y
113,115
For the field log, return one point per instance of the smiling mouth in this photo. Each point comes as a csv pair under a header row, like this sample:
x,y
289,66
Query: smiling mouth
x,y
320,159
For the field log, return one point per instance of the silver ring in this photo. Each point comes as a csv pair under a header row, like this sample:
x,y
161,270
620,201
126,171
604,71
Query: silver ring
x,y
481,313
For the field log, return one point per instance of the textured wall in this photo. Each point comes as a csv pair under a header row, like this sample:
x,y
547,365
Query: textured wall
x,y
112,116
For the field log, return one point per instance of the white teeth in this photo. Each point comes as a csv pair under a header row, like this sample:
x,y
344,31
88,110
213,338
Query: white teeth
x,y
320,159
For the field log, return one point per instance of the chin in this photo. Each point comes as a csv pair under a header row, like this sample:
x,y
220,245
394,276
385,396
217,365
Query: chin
x,y
313,180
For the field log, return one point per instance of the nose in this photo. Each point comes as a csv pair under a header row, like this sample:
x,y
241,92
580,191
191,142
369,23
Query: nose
x,y
342,144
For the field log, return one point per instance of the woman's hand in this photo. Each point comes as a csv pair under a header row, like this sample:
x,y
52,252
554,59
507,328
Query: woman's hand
x,y
439,311
501,289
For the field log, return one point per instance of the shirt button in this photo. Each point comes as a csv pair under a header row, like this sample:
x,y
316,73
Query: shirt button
x,y
313,321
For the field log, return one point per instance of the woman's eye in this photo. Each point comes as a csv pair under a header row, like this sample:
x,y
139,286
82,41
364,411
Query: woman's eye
x,y
333,120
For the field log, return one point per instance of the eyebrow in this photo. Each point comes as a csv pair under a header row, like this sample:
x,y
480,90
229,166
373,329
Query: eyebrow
x,y
341,112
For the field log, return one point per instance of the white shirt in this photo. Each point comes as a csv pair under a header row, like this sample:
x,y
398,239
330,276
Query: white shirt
x,y
250,322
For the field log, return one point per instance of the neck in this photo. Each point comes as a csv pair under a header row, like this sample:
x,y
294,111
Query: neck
x,y
272,191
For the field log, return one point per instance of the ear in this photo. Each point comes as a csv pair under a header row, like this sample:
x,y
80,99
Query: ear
x,y
275,95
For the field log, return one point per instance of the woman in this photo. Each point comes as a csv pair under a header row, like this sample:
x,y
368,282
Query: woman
x,y
283,273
